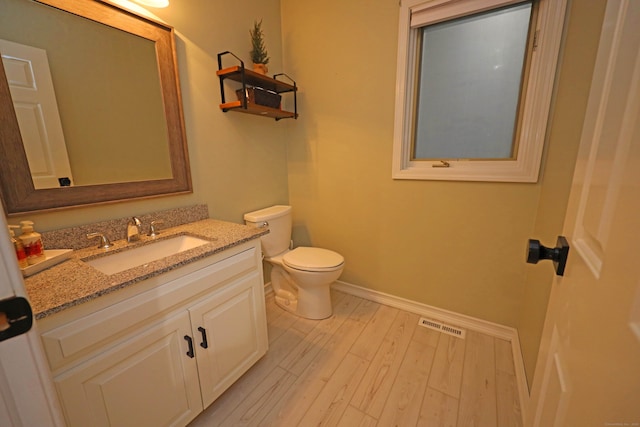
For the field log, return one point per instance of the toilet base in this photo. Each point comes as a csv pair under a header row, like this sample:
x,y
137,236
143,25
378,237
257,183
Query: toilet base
x,y
289,304
313,302
313,313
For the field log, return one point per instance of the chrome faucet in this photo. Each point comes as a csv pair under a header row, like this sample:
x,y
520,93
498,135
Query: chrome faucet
x,y
134,228
104,240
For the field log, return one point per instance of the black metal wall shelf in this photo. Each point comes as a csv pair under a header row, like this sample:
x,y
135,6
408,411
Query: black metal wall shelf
x,y
248,78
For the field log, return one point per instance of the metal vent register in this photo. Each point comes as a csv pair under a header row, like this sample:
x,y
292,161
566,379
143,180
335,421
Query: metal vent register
x,y
441,327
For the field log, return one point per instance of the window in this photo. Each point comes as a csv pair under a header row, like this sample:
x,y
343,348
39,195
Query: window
x,y
474,87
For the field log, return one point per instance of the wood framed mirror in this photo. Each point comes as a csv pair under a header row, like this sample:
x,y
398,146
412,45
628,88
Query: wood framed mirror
x,y
20,195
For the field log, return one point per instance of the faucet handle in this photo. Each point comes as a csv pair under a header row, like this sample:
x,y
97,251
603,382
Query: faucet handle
x,y
134,228
135,221
153,231
104,240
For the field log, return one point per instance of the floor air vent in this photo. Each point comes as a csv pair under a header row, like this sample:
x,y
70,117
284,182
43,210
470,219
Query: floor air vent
x,y
441,327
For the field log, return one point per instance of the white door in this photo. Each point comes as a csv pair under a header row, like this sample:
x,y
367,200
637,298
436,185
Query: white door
x,y
588,370
34,101
27,397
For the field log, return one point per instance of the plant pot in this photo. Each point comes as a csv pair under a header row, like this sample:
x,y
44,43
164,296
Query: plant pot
x,y
260,68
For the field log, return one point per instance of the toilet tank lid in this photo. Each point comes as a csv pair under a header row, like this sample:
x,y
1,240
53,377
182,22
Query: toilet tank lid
x,y
267,213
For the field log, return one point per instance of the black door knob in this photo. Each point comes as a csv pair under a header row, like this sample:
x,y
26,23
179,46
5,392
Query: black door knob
x,y
558,255
16,317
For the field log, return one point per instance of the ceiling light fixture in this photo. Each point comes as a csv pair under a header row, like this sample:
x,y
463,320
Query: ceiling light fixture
x,y
153,3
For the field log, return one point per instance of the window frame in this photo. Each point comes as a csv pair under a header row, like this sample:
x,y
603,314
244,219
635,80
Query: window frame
x,y
536,103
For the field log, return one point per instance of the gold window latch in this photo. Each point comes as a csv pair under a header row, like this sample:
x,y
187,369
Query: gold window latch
x,y
442,164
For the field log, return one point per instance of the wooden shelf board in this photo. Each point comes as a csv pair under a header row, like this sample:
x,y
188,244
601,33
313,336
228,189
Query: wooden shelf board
x,y
256,109
255,79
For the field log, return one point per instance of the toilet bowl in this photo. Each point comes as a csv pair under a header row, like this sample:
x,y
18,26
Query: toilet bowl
x,y
300,277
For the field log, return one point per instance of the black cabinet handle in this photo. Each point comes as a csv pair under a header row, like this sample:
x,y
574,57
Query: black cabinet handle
x,y
190,341
204,343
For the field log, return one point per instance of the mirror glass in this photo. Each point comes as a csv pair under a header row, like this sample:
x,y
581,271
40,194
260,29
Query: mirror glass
x,y
112,116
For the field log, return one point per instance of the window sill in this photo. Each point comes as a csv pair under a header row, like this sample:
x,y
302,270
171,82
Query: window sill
x,y
470,170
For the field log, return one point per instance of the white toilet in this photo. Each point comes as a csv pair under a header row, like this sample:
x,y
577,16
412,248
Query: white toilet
x,y
300,277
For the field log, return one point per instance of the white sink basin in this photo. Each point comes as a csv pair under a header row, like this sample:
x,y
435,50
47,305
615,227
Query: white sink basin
x,y
130,258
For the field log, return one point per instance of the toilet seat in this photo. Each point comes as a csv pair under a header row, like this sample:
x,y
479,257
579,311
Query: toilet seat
x,y
312,259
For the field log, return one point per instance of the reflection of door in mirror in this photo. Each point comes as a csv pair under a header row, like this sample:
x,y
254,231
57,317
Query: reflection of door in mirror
x,y
108,93
34,100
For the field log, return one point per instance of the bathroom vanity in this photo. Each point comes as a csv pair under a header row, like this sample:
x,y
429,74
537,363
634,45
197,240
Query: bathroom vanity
x,y
155,344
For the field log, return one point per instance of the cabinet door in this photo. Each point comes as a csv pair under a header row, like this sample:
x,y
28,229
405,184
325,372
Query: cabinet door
x,y
233,323
145,381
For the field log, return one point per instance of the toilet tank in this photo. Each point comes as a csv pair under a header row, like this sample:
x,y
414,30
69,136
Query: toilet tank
x,y
278,219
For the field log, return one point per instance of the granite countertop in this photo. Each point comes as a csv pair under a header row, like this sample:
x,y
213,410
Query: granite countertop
x,y
73,281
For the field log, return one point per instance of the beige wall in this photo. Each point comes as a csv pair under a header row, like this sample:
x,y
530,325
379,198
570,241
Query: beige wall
x,y
238,162
455,245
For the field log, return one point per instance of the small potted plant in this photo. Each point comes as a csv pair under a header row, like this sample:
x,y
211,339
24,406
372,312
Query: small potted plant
x,y
259,54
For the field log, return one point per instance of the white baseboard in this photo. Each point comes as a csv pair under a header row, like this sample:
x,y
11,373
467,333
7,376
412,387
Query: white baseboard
x,y
455,319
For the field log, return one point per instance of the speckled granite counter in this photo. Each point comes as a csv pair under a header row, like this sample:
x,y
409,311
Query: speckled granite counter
x,y
73,281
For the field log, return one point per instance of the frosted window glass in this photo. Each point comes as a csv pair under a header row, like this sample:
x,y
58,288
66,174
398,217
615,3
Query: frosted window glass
x,y
470,78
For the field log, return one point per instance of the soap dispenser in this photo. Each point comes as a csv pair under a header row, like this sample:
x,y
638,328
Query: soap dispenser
x,y
32,243
18,248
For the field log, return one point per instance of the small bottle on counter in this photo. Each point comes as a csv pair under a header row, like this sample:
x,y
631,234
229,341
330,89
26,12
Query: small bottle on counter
x,y
32,243
19,248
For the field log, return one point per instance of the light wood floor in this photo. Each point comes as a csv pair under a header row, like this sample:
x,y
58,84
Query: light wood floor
x,y
370,365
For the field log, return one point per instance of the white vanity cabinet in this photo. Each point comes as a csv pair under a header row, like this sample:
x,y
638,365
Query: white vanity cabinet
x,y
157,355
143,381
